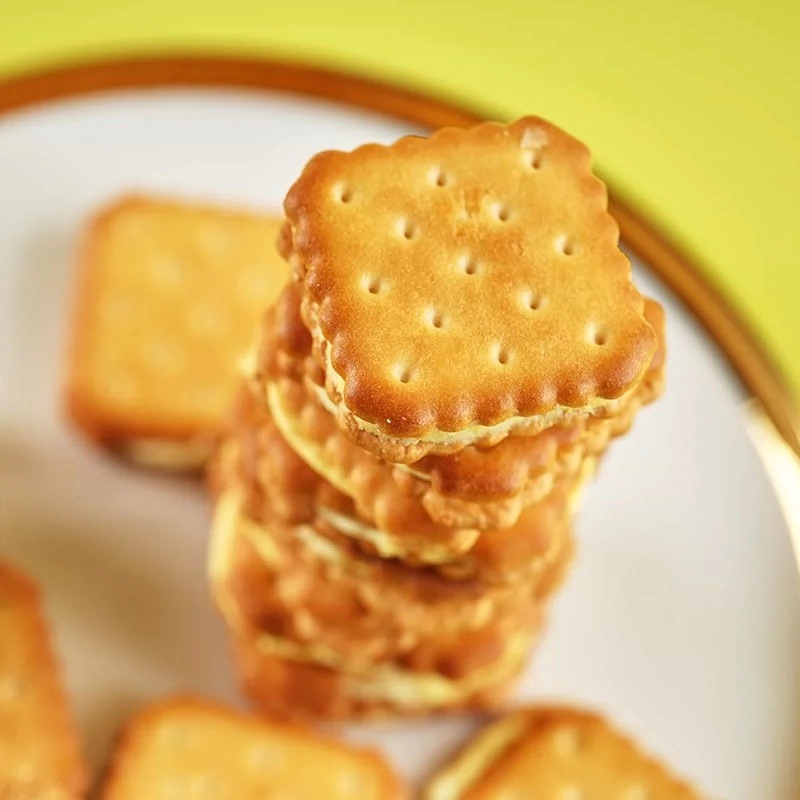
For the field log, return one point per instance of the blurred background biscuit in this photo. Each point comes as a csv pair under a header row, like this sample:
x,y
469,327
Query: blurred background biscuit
x,y
185,747
555,753
167,298
40,753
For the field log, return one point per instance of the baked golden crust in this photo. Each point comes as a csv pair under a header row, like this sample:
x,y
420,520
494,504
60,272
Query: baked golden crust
x,y
554,752
185,747
40,753
167,299
492,243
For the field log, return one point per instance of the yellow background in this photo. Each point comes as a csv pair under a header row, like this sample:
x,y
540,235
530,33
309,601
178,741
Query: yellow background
x,y
691,108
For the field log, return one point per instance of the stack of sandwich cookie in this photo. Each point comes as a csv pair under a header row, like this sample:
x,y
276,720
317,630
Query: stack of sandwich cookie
x,y
460,342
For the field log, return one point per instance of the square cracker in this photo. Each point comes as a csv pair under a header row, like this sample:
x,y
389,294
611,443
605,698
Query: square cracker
x,y
186,748
40,756
464,286
552,752
168,296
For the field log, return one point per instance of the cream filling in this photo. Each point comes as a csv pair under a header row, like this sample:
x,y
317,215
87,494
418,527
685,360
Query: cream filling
x,y
224,526
227,522
389,546
472,433
407,468
461,774
248,363
168,455
321,547
312,453
306,653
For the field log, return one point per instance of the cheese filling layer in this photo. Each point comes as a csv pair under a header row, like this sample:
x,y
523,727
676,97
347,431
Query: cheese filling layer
x,y
172,456
455,781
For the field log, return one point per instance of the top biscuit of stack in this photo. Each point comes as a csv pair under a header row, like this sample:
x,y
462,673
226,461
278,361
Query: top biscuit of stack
x,y
464,287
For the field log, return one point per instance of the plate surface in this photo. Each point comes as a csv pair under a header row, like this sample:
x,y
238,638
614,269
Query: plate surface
x,y
681,619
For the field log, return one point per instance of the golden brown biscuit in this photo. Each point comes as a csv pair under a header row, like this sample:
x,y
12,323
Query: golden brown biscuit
x,y
476,488
291,686
168,297
292,583
554,753
40,754
186,748
493,243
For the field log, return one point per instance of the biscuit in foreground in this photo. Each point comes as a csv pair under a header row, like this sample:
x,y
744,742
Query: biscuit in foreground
x,y
40,754
555,753
185,748
493,243
168,295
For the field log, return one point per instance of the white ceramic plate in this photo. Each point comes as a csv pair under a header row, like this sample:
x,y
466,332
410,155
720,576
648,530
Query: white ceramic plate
x,y
681,619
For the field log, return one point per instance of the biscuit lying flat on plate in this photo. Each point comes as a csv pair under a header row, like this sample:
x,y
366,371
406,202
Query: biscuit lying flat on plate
x,y
464,287
189,749
39,752
168,296
558,754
